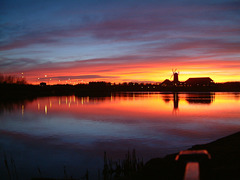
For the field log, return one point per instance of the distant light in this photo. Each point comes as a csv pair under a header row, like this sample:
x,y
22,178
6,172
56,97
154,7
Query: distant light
x,y
45,75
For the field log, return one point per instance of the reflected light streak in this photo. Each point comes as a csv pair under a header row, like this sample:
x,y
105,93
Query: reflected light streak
x,y
82,100
22,110
45,110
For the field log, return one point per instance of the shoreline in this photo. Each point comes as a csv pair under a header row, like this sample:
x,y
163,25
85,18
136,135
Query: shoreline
x,y
19,91
225,162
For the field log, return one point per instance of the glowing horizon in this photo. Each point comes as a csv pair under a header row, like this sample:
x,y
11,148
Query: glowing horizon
x,y
132,41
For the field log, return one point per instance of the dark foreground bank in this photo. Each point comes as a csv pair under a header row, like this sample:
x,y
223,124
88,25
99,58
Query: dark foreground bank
x,y
224,164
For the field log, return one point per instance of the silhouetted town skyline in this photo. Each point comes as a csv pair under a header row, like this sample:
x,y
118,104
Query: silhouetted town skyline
x,y
18,88
196,81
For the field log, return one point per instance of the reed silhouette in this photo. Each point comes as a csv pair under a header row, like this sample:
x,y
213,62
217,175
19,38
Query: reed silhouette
x,y
126,168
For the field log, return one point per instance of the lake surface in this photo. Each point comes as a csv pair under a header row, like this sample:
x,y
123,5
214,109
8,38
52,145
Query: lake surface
x,y
43,135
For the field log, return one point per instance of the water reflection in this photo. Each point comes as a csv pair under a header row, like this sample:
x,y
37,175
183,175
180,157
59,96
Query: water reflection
x,y
237,96
13,105
175,98
167,97
200,98
75,131
67,101
175,101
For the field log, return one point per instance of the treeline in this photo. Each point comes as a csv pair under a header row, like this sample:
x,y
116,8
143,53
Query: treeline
x,y
9,79
27,91
131,86
12,88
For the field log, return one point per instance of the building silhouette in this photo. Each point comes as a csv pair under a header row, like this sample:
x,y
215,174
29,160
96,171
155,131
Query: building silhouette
x,y
199,81
175,78
43,84
167,83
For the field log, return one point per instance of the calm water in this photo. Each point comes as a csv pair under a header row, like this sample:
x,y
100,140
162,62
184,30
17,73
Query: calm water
x,y
52,132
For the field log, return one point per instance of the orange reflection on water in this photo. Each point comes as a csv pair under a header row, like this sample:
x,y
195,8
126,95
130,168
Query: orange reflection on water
x,y
45,109
147,106
22,110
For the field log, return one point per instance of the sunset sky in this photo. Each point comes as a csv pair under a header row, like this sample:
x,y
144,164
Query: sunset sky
x,y
72,41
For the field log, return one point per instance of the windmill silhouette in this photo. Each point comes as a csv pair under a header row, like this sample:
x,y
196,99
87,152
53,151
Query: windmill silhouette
x,y
175,76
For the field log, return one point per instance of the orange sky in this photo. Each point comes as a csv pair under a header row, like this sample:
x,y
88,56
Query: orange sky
x,y
138,72
138,41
